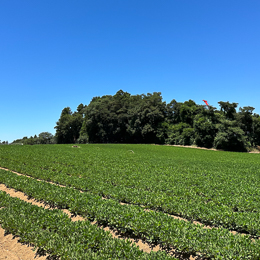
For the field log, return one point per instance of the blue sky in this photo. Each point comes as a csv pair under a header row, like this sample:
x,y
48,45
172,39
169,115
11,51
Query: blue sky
x,y
55,54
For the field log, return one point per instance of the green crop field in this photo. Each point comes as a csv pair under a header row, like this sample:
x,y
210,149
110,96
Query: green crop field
x,y
220,190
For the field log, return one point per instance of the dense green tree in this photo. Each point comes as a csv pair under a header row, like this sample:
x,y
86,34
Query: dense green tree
x,y
173,112
180,134
146,117
256,130
45,138
177,112
205,131
205,127
126,118
162,132
29,141
62,127
245,119
98,121
69,125
80,109
228,109
230,137
188,111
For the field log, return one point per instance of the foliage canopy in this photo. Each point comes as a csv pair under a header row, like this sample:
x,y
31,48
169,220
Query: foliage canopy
x,y
126,118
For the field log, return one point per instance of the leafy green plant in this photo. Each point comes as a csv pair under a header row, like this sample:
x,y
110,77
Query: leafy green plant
x,y
54,232
152,226
220,189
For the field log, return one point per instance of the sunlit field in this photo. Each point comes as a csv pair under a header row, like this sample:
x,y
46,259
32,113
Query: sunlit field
x,y
137,190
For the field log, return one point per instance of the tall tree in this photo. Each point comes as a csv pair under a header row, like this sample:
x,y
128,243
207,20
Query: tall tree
x,y
205,127
45,138
125,118
256,130
230,136
228,109
69,125
245,120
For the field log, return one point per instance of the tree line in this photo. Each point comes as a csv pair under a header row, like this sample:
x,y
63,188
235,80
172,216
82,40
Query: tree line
x,y
42,138
126,118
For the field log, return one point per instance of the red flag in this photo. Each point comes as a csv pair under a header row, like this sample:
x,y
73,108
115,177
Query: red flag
x,y
206,102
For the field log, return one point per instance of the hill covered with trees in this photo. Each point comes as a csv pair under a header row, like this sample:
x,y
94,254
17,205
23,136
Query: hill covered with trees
x,y
126,118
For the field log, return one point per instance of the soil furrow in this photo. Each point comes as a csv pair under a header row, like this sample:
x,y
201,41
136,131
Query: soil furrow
x,y
12,249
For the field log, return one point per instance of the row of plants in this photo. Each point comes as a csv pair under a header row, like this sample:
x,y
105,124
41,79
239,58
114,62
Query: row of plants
x,y
54,232
156,227
218,189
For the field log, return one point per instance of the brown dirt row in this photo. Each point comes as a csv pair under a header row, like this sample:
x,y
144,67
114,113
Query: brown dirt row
x,y
11,249
204,148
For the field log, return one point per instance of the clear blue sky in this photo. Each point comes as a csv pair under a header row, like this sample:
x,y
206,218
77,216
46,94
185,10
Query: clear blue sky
x,y
55,54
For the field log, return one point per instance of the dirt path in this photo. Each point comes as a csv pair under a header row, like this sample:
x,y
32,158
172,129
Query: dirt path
x,y
204,148
11,249
192,146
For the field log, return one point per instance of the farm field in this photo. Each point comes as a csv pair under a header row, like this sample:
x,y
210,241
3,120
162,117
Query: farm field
x,y
138,191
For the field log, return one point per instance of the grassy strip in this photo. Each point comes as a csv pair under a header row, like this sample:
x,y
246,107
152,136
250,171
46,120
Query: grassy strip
x,y
155,227
53,231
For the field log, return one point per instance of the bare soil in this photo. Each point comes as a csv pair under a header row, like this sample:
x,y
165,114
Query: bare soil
x,y
11,249
210,149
